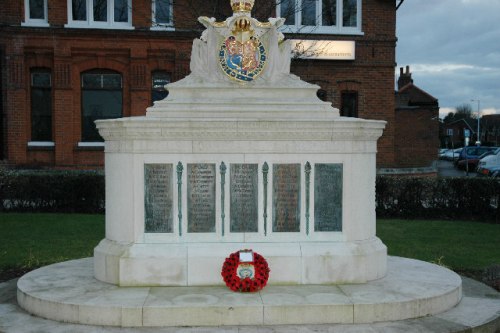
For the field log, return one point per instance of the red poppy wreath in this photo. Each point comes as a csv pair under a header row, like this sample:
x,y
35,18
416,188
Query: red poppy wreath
x,y
245,271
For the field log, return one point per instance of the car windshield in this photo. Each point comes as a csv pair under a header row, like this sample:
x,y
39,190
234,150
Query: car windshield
x,y
488,153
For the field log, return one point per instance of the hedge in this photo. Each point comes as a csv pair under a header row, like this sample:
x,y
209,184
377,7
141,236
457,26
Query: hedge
x,y
438,198
52,191
406,197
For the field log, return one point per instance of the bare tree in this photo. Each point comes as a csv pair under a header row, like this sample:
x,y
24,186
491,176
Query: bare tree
x,y
464,111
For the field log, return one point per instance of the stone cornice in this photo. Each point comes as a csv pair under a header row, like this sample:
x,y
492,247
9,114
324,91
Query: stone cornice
x,y
158,134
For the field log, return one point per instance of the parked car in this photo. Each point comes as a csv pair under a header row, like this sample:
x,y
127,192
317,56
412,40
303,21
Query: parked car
x,y
489,162
471,155
441,151
493,171
451,154
474,162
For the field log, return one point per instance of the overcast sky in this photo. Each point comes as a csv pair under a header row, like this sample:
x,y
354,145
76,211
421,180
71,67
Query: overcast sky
x,y
453,50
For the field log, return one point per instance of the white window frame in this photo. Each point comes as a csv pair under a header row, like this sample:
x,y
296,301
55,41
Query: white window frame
x,y
91,24
41,144
162,26
338,29
449,131
35,22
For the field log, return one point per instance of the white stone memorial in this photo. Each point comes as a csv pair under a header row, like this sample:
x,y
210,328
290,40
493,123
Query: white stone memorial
x,y
241,154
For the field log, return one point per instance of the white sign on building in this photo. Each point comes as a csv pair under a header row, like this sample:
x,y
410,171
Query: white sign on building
x,y
323,49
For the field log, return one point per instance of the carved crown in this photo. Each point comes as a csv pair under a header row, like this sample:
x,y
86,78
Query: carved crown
x,y
242,5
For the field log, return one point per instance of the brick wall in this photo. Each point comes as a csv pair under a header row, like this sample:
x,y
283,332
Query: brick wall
x,y
136,53
417,137
12,12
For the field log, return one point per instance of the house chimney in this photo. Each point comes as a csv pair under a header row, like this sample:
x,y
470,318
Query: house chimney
x,y
404,77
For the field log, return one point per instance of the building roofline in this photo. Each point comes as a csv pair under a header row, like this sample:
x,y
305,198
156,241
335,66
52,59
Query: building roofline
x,y
412,85
465,121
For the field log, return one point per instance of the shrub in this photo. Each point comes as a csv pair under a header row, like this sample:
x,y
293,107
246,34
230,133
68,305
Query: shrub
x,y
438,198
405,197
52,191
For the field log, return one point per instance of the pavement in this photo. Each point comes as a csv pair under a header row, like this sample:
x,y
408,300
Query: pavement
x,y
447,169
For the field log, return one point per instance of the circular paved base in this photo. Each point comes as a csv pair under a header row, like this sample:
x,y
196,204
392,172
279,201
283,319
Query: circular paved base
x,y
68,292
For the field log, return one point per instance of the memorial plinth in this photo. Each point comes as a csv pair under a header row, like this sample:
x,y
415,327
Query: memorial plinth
x,y
240,155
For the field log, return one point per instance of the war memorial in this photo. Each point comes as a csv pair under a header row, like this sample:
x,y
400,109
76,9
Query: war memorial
x,y
241,158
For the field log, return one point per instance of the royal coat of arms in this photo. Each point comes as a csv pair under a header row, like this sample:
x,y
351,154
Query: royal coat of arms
x,y
242,55
242,61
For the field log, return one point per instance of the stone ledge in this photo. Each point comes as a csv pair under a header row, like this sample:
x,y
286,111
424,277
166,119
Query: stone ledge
x,y
68,292
192,264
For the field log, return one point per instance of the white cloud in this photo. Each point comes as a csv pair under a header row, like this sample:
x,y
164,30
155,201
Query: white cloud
x,y
452,49
487,111
443,112
474,1
446,67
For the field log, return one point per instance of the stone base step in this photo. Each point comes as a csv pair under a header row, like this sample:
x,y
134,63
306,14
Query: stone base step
x,y
68,292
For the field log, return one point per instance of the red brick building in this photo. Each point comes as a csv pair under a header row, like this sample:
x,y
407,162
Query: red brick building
x,y
417,124
65,63
454,133
490,130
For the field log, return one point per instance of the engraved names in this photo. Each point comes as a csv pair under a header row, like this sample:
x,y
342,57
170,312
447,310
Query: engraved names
x,y
244,198
328,197
158,212
286,197
201,197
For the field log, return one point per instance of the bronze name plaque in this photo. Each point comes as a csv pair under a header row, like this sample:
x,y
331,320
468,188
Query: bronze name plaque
x,y
286,197
244,197
158,189
328,197
201,197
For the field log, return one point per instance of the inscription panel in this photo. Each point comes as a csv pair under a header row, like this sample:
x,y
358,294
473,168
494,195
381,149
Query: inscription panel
x,y
286,197
158,198
244,197
201,197
328,197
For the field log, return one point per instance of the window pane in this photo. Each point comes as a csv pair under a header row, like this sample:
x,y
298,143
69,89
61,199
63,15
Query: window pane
x,y
308,12
349,102
160,79
287,10
350,9
162,11
121,11
79,9
158,91
157,95
37,10
329,12
100,10
90,81
41,107
98,104
41,115
41,80
111,81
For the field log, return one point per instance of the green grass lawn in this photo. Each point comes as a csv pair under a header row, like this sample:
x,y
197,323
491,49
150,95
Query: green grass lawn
x,y
32,240
456,244
28,241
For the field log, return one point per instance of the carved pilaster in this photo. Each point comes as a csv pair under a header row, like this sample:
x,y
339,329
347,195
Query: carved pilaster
x,y
16,74
62,76
138,74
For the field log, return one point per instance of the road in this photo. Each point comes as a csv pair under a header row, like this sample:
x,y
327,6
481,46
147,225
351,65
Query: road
x,y
446,169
